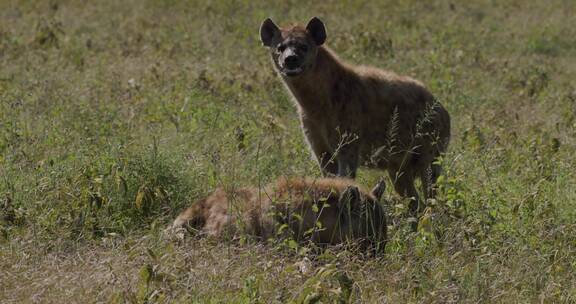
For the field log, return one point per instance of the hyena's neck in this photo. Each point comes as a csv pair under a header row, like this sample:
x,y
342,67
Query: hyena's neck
x,y
313,89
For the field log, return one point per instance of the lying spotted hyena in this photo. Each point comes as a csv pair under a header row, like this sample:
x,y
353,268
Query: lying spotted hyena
x,y
354,115
324,211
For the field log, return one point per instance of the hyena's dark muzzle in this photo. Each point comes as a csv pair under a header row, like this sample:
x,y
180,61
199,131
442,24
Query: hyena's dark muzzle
x,y
291,63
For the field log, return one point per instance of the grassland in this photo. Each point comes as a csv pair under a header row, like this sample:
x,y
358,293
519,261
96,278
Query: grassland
x,y
104,102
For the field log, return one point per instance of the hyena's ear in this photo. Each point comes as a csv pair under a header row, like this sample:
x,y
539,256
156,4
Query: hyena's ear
x,y
317,30
268,30
379,189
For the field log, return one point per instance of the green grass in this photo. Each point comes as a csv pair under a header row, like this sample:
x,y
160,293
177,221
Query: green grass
x,y
115,115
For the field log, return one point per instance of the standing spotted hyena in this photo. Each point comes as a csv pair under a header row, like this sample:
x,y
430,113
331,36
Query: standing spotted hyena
x,y
359,115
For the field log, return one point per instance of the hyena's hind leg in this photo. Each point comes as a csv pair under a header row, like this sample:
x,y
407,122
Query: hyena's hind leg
x,y
431,172
429,177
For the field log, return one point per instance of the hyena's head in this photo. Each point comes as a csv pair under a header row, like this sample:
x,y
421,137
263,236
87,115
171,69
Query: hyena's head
x,y
293,49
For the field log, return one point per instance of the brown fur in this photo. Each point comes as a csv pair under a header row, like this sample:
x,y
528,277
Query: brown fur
x,y
358,115
343,210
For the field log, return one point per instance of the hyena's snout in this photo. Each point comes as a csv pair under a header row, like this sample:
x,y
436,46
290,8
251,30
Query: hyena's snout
x,y
292,61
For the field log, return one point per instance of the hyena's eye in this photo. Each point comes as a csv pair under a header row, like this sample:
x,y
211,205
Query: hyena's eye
x,y
303,48
281,48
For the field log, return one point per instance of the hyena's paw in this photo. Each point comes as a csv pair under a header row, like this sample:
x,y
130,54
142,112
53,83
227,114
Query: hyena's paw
x,y
174,233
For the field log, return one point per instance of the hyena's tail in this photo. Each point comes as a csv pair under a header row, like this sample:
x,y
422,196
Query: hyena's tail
x,y
192,218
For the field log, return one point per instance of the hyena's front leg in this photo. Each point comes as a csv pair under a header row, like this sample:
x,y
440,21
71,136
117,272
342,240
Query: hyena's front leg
x,y
325,158
328,164
347,158
322,152
403,180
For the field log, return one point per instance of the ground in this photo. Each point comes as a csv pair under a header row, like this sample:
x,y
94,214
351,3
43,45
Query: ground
x,y
115,115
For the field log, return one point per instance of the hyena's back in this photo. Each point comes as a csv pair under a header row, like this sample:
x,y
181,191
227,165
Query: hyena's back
x,y
402,125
